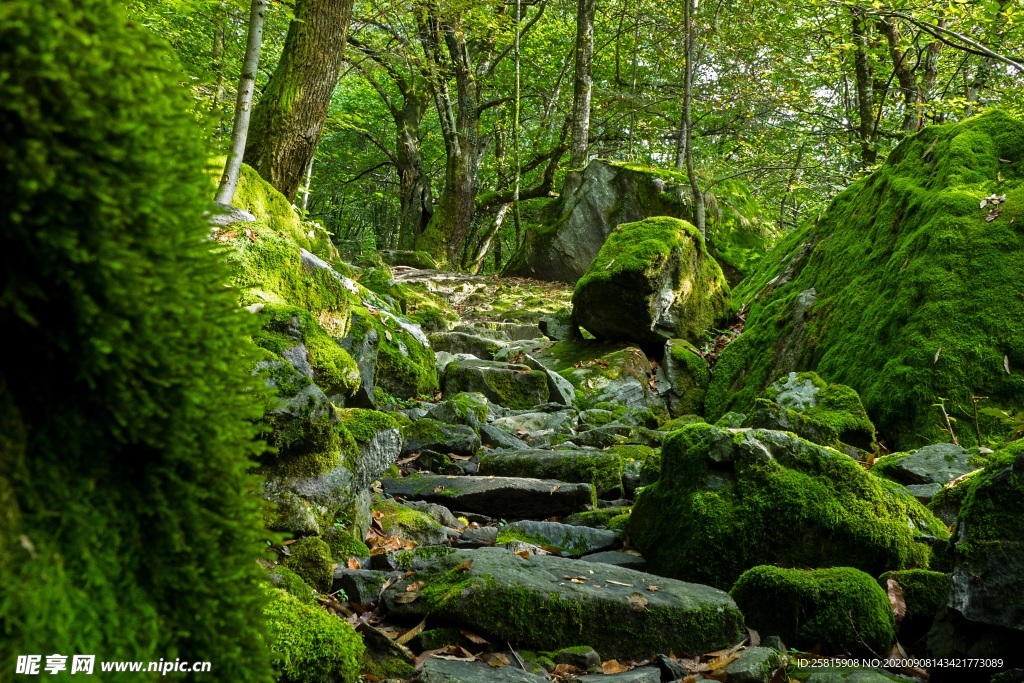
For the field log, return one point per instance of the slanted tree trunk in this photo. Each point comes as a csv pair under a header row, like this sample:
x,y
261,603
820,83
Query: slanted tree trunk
x,y
243,104
699,209
417,198
289,118
583,82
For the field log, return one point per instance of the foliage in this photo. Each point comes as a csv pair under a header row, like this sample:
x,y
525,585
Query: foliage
x,y
127,398
309,645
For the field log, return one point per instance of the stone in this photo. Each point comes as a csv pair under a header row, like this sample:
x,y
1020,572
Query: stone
x,y
685,376
652,281
508,385
845,675
439,513
362,585
463,342
754,665
469,408
383,655
560,390
617,558
559,326
226,215
498,497
585,658
601,469
573,541
933,464
449,671
427,434
531,603
610,374
728,500
498,438
561,421
641,674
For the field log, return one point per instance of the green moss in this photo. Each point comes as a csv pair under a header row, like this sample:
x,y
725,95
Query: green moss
x,y
902,264
291,583
715,509
389,669
991,513
344,545
517,388
363,425
602,469
406,558
398,520
405,368
690,378
570,543
923,591
309,645
596,518
840,610
619,522
310,558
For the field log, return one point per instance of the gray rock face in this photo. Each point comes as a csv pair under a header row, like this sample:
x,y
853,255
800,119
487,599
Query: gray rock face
x,y
447,671
573,541
508,385
847,676
641,674
427,434
755,665
362,585
561,422
463,342
505,497
560,326
560,390
498,438
602,469
935,464
530,603
593,204
375,456
618,558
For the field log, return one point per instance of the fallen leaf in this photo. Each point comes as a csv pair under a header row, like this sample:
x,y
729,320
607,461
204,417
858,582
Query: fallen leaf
x,y
415,586
525,554
895,592
555,488
612,666
464,566
460,457
637,602
353,563
387,335
564,671
937,354
474,638
406,598
371,678
411,633
618,583
654,588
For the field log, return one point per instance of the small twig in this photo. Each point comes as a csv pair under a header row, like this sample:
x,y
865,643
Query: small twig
x,y
519,660
949,425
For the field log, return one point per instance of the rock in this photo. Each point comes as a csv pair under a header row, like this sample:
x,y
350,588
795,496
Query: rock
x,y
685,375
641,674
408,523
560,326
530,603
601,469
427,434
727,501
881,333
840,610
560,422
412,259
508,385
581,657
499,497
462,342
226,215
477,537
393,355
384,657
755,665
498,438
573,541
934,464
603,437
502,331
924,594
671,670
378,439
439,513
604,373
560,389
652,281
361,585
617,558
845,675
468,409
448,671
593,203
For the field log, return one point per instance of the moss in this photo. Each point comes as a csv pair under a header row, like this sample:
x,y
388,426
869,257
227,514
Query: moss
x,y
406,558
690,377
680,422
344,545
310,558
619,522
404,368
425,430
309,645
570,543
389,669
398,520
716,509
363,425
902,264
602,469
840,610
923,591
991,514
469,403
517,387
596,518
291,583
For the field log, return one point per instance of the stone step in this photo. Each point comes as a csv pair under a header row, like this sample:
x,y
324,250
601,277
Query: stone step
x,y
499,497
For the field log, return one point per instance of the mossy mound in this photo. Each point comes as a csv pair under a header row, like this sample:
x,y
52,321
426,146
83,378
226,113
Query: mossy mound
x,y
404,522
309,645
396,359
126,397
687,375
284,578
653,280
311,560
901,290
833,611
728,501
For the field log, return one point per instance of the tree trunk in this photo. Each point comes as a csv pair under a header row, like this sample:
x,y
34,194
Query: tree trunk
x,y
583,82
414,186
289,118
243,104
865,91
699,210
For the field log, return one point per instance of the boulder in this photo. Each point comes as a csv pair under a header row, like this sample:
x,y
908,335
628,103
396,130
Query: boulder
x,y
408,523
437,670
924,594
499,497
601,469
483,347
559,326
727,500
865,297
508,385
618,558
924,471
836,611
641,674
531,603
754,665
426,434
572,541
602,373
683,378
652,281
469,408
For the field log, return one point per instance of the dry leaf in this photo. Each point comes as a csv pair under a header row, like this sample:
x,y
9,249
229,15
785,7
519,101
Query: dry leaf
x,y
411,633
353,563
637,602
371,678
612,666
406,598
937,354
460,457
415,586
474,638
654,588
525,554
464,566
566,671
899,605
555,488
387,335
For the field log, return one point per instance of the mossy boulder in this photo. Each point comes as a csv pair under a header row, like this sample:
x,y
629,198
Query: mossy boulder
x,y
310,558
683,378
826,414
726,501
309,645
926,470
613,374
900,290
834,611
467,408
284,578
652,281
398,520
570,540
506,384
528,602
427,434
603,469
924,593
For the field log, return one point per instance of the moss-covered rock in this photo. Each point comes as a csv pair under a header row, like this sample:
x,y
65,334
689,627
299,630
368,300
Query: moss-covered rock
x,y
900,290
428,434
924,593
344,545
726,501
603,469
309,645
397,520
291,583
686,376
570,540
616,374
395,358
835,611
506,384
310,558
528,602
652,281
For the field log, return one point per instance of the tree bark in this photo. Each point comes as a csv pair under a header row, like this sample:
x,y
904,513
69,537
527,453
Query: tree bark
x,y
417,198
865,91
289,118
243,104
583,82
699,209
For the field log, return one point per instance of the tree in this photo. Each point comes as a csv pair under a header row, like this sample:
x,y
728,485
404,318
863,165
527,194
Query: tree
x,y
582,82
243,103
288,120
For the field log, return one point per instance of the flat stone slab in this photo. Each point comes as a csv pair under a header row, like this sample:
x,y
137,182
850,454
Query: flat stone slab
x,y
437,670
934,464
641,674
601,468
548,603
502,497
618,558
571,540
